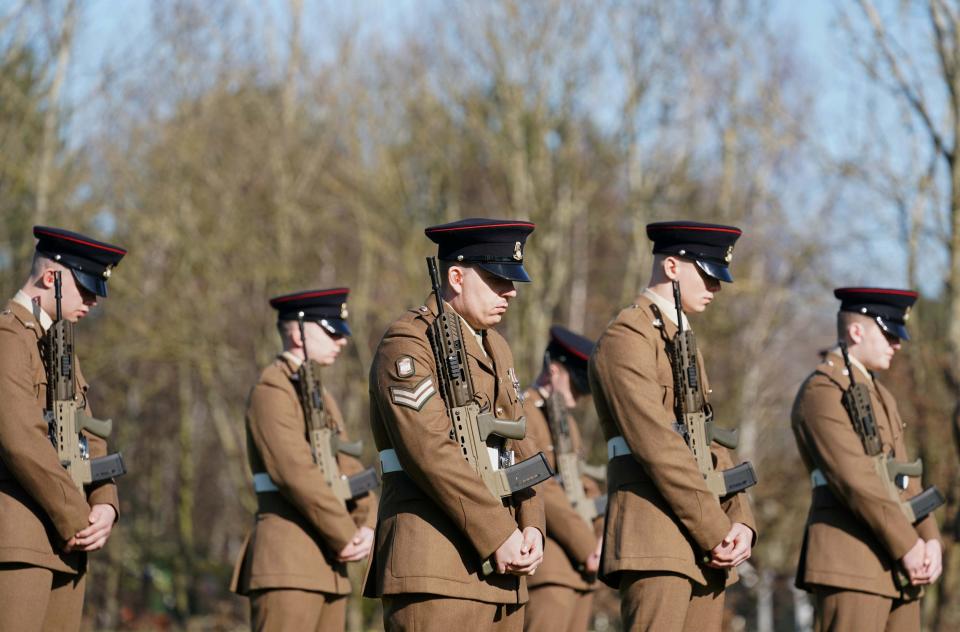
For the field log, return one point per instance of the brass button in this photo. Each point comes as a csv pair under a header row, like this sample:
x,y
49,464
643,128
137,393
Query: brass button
x,y
499,410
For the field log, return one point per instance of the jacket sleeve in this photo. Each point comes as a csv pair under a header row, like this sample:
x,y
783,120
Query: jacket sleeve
x,y
529,503
24,447
851,473
624,365
277,430
364,509
416,421
104,492
737,506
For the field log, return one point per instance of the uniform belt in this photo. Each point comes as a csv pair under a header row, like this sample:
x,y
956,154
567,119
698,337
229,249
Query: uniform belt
x,y
389,461
617,447
262,483
817,479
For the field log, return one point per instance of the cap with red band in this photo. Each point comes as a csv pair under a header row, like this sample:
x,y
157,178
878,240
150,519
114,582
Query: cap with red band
x,y
496,245
889,307
91,261
326,307
709,245
573,351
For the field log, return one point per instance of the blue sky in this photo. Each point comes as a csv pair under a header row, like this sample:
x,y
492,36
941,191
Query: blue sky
x,y
119,31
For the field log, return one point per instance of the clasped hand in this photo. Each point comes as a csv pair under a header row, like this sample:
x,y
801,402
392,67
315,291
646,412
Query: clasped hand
x,y
521,553
923,562
734,549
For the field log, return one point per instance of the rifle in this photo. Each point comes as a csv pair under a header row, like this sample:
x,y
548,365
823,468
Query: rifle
x,y
472,428
856,400
325,440
64,416
696,423
568,462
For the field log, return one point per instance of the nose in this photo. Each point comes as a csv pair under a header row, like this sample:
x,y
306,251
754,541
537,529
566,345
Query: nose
x,y
509,289
342,342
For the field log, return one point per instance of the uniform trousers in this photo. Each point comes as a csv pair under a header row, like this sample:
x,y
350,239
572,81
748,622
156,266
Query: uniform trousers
x,y
283,609
839,610
36,599
554,608
429,613
667,602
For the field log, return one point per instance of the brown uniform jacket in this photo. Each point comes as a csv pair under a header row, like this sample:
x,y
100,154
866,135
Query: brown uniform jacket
x,y
40,508
300,529
570,540
438,521
855,532
660,515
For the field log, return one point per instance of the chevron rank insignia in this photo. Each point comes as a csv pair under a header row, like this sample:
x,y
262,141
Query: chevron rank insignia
x,y
414,397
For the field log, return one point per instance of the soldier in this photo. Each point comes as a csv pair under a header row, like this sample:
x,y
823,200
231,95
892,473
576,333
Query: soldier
x,y
47,524
561,592
439,521
858,539
669,542
293,566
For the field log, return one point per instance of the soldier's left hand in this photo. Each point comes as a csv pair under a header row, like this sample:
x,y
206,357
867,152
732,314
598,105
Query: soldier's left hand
x,y
95,536
531,553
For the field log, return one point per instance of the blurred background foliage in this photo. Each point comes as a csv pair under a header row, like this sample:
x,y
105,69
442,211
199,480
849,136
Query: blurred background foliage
x,y
242,150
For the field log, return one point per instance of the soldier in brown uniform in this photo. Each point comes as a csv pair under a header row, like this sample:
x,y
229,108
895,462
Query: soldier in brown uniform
x,y
47,525
561,592
857,537
438,520
294,563
669,544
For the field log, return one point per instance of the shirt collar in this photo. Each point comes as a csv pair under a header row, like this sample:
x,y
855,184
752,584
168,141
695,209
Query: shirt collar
x,y
27,303
853,361
667,308
292,359
476,333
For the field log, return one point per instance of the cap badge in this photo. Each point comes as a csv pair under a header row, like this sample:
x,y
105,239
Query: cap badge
x,y
107,272
517,252
729,256
343,310
906,314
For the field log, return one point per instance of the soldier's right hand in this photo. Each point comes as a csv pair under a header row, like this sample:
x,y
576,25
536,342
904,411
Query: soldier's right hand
x,y
509,552
358,547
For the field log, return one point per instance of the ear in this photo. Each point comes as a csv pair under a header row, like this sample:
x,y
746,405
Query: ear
x,y
554,370
855,332
671,268
47,279
295,338
455,279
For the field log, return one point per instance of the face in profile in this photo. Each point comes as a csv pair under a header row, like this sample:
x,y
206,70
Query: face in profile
x,y
697,288
481,298
876,347
75,302
322,347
